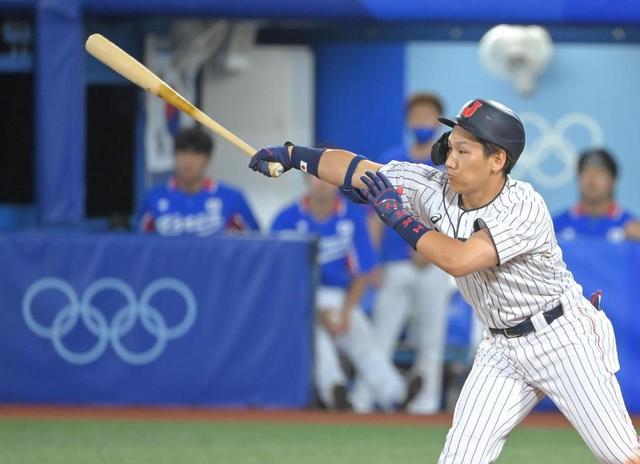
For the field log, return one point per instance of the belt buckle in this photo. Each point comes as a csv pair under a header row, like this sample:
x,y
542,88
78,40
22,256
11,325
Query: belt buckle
x,y
505,332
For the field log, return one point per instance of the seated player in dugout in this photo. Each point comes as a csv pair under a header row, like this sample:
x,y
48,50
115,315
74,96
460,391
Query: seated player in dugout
x,y
191,203
495,235
597,215
345,256
410,288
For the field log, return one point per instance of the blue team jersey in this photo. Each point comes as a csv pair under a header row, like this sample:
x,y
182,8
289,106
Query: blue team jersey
x,y
217,207
574,223
344,246
393,247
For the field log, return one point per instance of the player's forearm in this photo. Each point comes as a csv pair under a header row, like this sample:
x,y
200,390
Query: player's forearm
x,y
453,256
332,165
354,293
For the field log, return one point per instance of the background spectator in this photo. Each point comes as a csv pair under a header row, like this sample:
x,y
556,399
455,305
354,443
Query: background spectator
x,y
190,202
597,215
346,255
412,289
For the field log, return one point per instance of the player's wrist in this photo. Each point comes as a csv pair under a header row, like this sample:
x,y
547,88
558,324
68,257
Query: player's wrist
x,y
306,159
410,229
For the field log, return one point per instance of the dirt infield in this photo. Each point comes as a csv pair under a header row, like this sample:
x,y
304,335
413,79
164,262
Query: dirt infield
x,y
245,415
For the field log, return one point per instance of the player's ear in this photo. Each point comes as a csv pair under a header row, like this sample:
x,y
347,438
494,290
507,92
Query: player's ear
x,y
499,160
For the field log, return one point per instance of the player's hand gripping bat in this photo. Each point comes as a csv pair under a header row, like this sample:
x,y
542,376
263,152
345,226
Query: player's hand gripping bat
x,y
127,66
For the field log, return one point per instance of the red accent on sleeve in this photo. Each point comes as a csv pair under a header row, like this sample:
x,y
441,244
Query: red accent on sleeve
x,y
147,223
236,223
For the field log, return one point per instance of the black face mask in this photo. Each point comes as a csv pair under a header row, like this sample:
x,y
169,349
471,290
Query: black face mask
x,y
440,149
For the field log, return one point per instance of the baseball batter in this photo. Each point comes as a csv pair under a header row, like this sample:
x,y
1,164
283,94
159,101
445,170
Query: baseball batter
x,y
496,237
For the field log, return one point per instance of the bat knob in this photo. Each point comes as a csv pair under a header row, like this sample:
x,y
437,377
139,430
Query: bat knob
x,y
277,171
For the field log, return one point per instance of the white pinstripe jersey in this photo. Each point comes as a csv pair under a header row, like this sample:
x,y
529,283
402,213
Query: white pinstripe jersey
x,y
531,275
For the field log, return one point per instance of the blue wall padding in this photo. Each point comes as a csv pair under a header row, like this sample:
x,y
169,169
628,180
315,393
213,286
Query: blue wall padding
x,y
60,120
360,96
173,320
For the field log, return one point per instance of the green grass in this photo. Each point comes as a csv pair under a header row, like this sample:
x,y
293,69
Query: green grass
x,y
89,442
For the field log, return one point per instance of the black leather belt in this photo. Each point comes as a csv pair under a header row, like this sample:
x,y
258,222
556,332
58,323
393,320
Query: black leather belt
x,y
526,327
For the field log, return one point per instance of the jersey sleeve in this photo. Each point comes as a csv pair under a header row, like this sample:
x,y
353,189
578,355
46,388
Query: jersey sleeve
x,y
627,216
243,216
525,229
362,258
285,220
416,183
560,221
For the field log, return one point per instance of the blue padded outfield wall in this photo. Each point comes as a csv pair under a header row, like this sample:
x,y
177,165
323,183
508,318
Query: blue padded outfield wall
x,y
124,319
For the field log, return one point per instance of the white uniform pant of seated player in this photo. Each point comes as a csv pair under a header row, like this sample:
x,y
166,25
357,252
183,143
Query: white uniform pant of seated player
x,y
423,293
572,360
360,345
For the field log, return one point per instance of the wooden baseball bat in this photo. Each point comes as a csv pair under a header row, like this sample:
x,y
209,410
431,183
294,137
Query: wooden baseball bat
x,y
127,66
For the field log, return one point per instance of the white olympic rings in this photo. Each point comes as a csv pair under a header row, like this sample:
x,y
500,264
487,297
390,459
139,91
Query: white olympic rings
x,y
121,324
553,141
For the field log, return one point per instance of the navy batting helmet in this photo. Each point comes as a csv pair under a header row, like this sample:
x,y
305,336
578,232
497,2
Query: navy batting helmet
x,y
489,121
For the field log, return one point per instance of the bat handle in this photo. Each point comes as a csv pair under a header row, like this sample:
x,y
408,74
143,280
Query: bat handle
x,y
275,169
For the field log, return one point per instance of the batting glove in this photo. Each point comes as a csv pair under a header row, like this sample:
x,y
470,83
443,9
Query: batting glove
x,y
384,198
388,204
260,161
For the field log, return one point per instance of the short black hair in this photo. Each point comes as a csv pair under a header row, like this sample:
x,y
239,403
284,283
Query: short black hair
x,y
423,98
598,157
193,139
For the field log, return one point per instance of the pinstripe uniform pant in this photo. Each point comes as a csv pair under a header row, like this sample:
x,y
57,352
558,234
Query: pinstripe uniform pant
x,y
573,361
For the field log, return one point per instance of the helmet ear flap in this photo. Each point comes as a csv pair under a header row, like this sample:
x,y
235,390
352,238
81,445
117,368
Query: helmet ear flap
x,y
440,149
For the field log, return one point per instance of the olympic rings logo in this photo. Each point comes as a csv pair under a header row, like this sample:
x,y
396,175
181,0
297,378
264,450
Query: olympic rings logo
x,y
553,141
82,309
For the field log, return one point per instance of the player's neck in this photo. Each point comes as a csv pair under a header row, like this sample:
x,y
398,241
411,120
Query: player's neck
x,y
321,208
596,208
484,196
421,151
191,186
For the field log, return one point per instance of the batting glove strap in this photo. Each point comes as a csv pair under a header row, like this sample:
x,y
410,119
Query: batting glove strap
x,y
306,159
353,164
410,229
355,195
399,219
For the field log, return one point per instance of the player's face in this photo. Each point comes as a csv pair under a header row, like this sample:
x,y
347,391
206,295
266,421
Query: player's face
x,y
321,190
467,166
190,165
596,184
423,115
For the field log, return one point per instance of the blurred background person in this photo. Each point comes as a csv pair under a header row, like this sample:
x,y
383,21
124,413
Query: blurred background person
x,y
597,215
191,203
412,290
346,256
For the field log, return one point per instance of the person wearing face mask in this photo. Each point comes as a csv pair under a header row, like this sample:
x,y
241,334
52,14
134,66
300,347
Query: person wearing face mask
x,y
412,291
